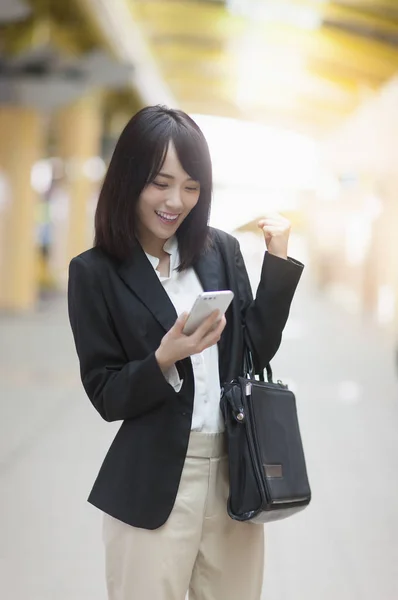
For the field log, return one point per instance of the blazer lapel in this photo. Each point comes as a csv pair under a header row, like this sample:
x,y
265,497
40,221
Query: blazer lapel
x,y
138,273
140,276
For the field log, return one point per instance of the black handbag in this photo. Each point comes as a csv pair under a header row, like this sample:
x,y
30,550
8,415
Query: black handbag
x,y
267,469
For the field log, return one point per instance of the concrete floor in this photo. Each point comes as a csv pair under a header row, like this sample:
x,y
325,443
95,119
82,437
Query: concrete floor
x,y
343,547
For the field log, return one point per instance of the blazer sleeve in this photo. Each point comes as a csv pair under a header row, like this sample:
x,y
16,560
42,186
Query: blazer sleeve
x,y
265,316
118,388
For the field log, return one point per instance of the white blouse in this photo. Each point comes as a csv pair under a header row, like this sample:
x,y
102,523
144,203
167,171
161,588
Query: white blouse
x,y
183,289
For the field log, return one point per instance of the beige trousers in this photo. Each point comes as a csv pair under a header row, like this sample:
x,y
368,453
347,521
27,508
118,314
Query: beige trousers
x,y
199,548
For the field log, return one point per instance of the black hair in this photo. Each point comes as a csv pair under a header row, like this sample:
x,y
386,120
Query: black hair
x,y
138,157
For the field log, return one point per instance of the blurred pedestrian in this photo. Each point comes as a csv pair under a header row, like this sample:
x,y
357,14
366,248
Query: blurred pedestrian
x,y
163,486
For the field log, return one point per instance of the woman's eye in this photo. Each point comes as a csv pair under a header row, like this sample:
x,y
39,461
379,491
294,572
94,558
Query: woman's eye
x,y
162,186
192,189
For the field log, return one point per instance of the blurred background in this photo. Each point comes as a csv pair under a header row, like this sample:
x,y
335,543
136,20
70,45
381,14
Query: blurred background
x,y
299,102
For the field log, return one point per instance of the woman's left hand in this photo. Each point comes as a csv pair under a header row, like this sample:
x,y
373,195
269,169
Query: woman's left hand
x,y
276,231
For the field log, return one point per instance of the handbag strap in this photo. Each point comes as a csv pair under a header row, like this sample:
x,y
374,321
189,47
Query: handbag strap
x,y
248,364
248,367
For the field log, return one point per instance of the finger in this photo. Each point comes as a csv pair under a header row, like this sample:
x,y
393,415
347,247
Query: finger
x,y
211,338
207,324
214,334
273,222
272,229
215,331
274,217
220,325
270,222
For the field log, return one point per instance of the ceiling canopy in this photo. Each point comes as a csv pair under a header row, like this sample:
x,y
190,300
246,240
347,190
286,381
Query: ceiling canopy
x,y
305,64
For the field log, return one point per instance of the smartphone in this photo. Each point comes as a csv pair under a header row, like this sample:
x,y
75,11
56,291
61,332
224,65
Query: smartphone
x,y
204,305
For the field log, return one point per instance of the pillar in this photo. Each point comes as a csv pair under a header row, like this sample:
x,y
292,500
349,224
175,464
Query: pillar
x,y
21,145
78,129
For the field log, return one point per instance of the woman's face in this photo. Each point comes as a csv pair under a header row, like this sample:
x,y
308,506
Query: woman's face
x,y
166,202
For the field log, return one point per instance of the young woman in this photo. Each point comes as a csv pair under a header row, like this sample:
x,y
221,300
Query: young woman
x,y
163,485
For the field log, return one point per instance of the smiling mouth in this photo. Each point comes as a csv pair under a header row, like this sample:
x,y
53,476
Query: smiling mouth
x,y
167,217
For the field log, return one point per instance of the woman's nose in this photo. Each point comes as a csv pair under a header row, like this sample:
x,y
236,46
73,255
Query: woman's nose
x,y
174,200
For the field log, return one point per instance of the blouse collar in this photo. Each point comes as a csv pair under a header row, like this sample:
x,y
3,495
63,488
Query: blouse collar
x,y
171,247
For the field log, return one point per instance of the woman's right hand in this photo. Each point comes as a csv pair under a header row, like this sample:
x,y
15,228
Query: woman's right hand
x,y
176,345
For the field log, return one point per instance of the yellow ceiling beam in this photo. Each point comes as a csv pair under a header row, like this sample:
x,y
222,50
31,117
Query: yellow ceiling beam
x,y
186,18
376,5
181,53
39,31
352,11
356,16
178,58
330,45
214,19
72,31
201,22
333,71
380,61
348,78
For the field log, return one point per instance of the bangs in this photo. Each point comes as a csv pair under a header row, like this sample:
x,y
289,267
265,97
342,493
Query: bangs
x,y
193,154
159,152
191,148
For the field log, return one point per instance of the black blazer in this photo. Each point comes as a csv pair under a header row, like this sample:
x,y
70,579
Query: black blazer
x,y
119,313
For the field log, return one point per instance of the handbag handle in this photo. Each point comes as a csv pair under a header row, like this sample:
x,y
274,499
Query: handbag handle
x,y
248,367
